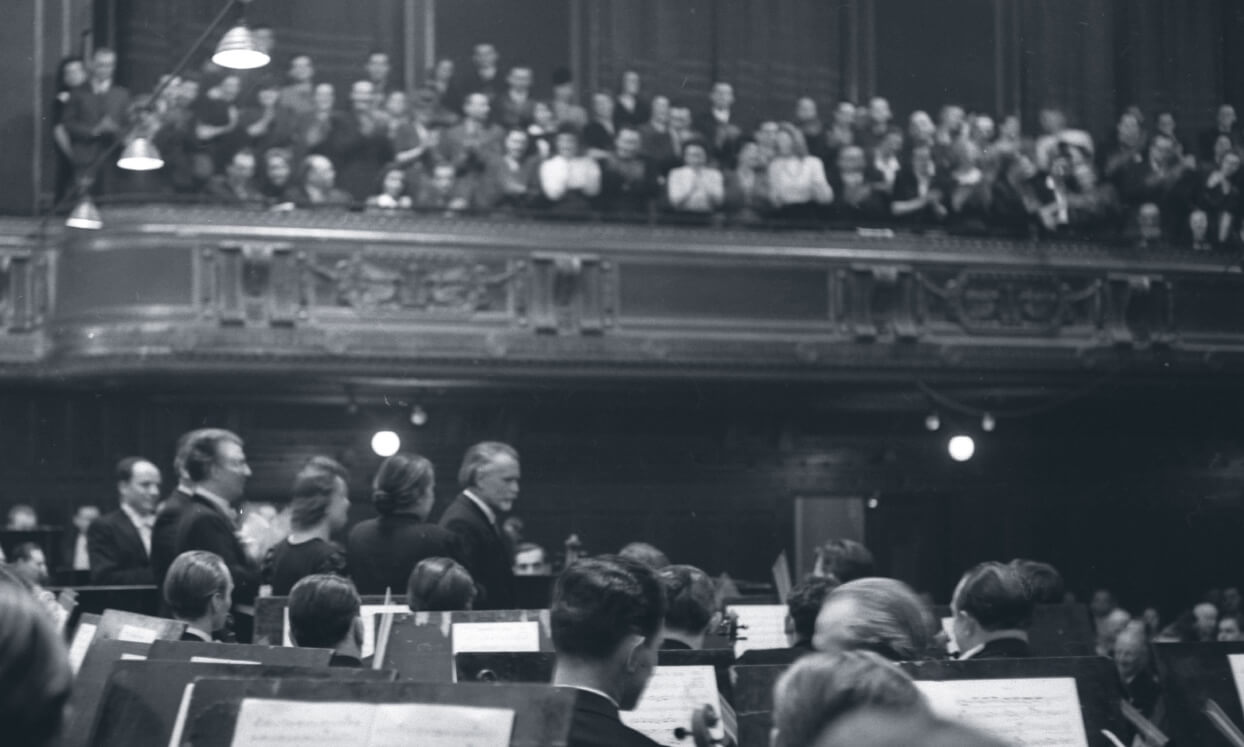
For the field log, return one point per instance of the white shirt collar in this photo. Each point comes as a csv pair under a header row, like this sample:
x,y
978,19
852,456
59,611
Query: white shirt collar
x,y
198,633
488,512
139,521
594,691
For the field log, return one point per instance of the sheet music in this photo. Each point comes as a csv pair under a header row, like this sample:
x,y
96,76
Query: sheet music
x,y
368,612
82,639
428,725
495,636
765,626
133,657
672,694
1036,712
263,723
137,634
1236,662
215,660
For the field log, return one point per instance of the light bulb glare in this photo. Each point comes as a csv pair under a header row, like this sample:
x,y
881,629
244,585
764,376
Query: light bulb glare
x,y
961,448
385,443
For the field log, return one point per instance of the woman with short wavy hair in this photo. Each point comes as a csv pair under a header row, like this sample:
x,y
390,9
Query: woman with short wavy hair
x,y
382,551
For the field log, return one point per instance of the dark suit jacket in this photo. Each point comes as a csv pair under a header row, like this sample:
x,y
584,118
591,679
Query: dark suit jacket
x,y
164,534
486,553
382,552
595,723
118,556
201,526
86,109
1005,648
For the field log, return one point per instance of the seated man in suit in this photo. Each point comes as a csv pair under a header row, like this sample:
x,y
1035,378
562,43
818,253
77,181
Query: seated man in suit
x,y
324,613
606,625
489,479
803,604
217,471
992,608
690,605
198,590
119,542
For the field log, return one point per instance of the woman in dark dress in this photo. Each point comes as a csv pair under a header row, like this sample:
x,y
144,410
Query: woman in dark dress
x,y
383,551
319,507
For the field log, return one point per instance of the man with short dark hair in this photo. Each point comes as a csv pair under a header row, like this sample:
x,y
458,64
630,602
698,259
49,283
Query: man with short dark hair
x,y
378,68
216,469
606,624
485,75
516,107
690,604
803,604
489,479
844,559
992,609
30,564
324,613
1044,581
530,560
119,542
649,555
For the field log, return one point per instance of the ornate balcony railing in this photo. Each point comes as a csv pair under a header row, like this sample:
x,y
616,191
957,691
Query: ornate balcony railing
x,y
176,289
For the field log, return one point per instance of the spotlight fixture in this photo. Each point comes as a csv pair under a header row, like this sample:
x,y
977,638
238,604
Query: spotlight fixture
x,y
140,154
988,423
385,443
85,216
418,416
961,448
932,421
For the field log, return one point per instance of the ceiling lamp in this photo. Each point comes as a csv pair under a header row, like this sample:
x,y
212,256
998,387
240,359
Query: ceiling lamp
x,y
140,155
85,216
237,50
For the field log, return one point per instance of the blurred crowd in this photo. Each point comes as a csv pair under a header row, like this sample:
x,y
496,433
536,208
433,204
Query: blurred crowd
x,y
479,141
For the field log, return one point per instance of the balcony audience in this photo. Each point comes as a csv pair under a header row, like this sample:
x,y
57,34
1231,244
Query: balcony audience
x,y
971,172
393,194
324,613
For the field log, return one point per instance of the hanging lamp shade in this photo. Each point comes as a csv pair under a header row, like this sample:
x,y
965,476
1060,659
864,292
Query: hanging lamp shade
x,y
85,216
140,155
237,50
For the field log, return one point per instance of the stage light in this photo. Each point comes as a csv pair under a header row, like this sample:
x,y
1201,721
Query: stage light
x,y
237,50
418,416
140,155
932,421
85,215
988,423
961,448
385,443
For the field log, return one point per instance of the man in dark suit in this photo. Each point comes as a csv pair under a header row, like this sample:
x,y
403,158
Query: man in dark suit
x,y
216,467
489,479
606,625
992,608
720,126
119,542
97,113
168,511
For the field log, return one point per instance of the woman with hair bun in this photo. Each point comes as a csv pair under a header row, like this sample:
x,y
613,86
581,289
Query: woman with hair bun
x,y
381,552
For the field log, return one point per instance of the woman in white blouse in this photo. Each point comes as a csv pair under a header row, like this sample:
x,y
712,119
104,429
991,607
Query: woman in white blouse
x,y
569,180
695,187
797,183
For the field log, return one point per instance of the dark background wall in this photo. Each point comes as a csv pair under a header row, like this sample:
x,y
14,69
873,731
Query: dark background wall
x,y
1142,494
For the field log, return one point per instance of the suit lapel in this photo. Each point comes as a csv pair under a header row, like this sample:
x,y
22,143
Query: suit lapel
x,y
132,536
